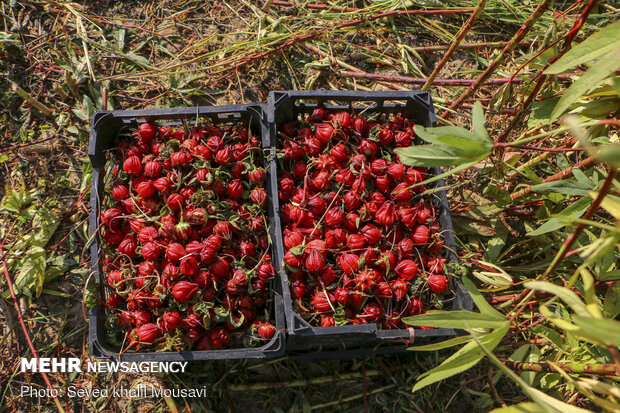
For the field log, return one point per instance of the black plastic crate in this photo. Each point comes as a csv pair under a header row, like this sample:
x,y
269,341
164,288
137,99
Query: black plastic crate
x,y
105,126
357,340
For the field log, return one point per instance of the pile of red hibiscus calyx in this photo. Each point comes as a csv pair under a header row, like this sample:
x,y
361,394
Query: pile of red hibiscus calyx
x,y
362,243
185,250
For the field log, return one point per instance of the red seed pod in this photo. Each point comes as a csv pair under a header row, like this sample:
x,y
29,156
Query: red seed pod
x,y
258,176
114,300
196,216
219,337
321,302
314,261
368,148
399,288
141,317
128,246
240,152
147,132
266,271
366,280
152,169
402,192
356,241
175,252
349,263
163,184
371,233
340,153
247,248
385,136
378,166
324,132
384,290
147,234
341,119
180,158
383,184
188,265
266,330
317,115
175,201
259,196
183,291
293,260
234,189
435,264
335,238
420,235
147,268
110,217
120,192
352,201
386,215
406,269
147,333
360,125
132,166
220,269
402,139
327,276
437,283
172,320
116,279
170,272
414,306
406,247
125,319
202,278
223,156
392,320
151,251
413,176
372,311
327,321
407,217
396,171
334,217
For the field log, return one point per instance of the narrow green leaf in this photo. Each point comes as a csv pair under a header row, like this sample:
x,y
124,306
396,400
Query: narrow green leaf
x,y
564,187
604,329
566,295
444,344
597,45
466,357
456,319
428,134
575,210
588,81
481,303
477,118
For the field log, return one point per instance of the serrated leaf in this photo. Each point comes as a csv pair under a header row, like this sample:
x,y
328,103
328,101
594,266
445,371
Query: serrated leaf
x,y
465,358
444,344
597,45
566,295
456,319
588,81
481,303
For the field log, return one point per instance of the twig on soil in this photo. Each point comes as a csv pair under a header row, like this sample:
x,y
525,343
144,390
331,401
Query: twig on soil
x,y
457,41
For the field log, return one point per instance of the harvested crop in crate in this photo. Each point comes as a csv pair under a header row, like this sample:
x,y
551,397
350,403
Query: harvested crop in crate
x,y
185,246
361,239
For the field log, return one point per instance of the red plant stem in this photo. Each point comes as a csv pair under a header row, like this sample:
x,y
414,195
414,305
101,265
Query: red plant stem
x,y
542,78
23,145
570,240
323,32
437,82
455,44
352,9
512,44
536,148
566,173
26,334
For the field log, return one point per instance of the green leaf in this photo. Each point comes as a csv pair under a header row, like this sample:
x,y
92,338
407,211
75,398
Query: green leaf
x,y
609,153
456,319
564,187
541,112
525,407
605,330
437,155
444,344
481,303
549,334
32,272
430,134
588,81
477,118
566,295
597,45
465,358
575,210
